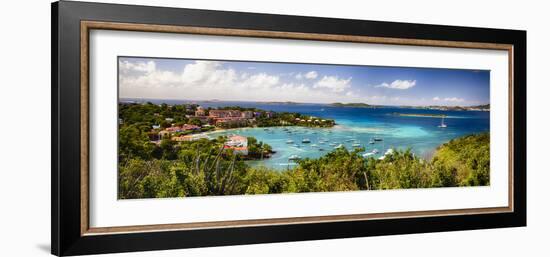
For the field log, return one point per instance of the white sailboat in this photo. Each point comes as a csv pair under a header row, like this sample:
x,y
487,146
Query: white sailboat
x,y
442,125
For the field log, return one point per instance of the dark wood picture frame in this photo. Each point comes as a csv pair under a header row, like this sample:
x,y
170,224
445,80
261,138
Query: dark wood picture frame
x,y
71,23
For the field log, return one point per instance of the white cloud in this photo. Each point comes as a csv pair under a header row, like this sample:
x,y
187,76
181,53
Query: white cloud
x,y
203,80
333,83
454,99
127,67
207,74
308,75
311,75
399,84
261,80
449,99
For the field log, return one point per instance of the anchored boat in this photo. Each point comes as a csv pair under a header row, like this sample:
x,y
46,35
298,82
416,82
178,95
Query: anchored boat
x,y
442,125
294,157
373,152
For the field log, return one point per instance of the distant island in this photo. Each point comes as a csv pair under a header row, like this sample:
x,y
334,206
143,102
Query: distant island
x,y
485,108
363,105
287,102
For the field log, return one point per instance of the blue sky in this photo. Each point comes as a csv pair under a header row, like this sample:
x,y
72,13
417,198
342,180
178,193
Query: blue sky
x,y
312,83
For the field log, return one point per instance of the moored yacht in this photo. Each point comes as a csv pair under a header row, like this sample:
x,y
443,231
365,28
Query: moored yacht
x,y
442,125
373,152
294,157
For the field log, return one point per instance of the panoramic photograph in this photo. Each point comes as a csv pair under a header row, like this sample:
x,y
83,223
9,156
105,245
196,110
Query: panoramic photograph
x,y
189,127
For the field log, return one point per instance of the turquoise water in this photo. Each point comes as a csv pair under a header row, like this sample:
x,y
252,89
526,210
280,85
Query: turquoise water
x,y
356,126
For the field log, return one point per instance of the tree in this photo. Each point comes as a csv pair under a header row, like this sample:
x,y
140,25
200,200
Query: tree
x,y
133,143
195,122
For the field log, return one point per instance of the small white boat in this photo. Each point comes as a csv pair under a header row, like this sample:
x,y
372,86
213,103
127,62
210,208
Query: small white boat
x,y
371,153
368,154
294,157
314,145
339,146
296,145
290,141
356,145
332,144
371,142
442,125
306,141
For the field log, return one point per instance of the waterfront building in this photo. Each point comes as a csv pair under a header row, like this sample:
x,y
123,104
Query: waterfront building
x,y
247,115
200,111
230,122
239,144
224,113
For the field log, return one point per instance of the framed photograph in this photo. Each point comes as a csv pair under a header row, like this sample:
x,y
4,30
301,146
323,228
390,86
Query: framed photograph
x,y
178,128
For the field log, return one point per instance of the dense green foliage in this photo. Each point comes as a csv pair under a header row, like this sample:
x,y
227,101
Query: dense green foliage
x,y
463,161
203,167
293,119
150,114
